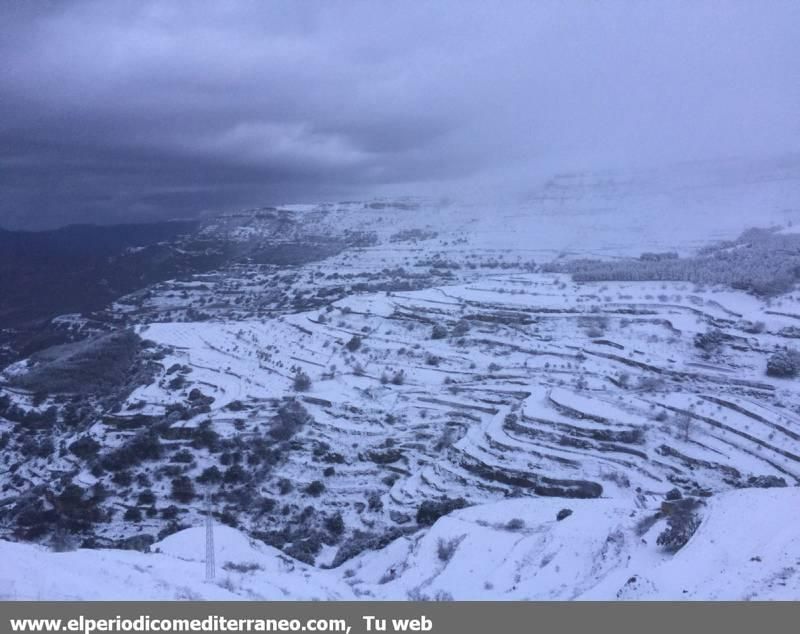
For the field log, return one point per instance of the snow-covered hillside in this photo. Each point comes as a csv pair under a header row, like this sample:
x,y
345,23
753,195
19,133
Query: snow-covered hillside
x,y
609,213
398,399
747,548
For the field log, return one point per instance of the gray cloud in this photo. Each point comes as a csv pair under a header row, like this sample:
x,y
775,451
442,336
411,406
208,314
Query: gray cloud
x,y
142,110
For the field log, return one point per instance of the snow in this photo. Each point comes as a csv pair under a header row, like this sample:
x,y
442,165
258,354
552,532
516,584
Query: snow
x,y
747,547
554,381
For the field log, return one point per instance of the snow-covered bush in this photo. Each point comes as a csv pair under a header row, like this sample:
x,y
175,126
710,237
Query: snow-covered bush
x,y
243,567
431,510
682,522
563,514
753,327
360,541
290,418
133,515
146,498
315,488
461,328
182,489
784,363
143,446
710,341
335,524
302,382
515,524
446,548
766,481
85,447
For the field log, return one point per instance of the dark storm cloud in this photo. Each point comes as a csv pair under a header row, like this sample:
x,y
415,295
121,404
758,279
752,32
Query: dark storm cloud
x,y
141,110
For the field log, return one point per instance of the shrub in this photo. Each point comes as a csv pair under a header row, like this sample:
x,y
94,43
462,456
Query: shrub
x,y
360,541
682,522
143,446
183,489
753,327
335,524
650,384
234,474
183,456
285,486
446,548
354,343
515,524
766,481
133,515
62,541
438,332
243,568
784,363
177,383
170,512
40,447
673,494
431,510
85,447
461,328
305,550
228,584
302,382
147,498
315,488
205,437
374,501
291,416
122,478
710,341
210,475
432,359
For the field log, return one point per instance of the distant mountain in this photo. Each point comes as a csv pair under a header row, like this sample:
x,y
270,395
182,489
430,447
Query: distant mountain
x,y
80,267
87,240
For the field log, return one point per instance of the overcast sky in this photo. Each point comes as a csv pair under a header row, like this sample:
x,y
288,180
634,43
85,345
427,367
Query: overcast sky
x,y
126,111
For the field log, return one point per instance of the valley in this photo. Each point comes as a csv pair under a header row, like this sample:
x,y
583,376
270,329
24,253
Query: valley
x,y
413,398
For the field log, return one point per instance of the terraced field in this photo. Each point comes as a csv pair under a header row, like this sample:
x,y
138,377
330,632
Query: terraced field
x,y
343,404
526,385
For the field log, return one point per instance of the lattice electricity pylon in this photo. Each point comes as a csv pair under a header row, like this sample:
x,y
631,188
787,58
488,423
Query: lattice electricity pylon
x,y
209,540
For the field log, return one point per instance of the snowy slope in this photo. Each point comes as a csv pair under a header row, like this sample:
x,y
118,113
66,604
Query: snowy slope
x,y
747,548
614,212
177,572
